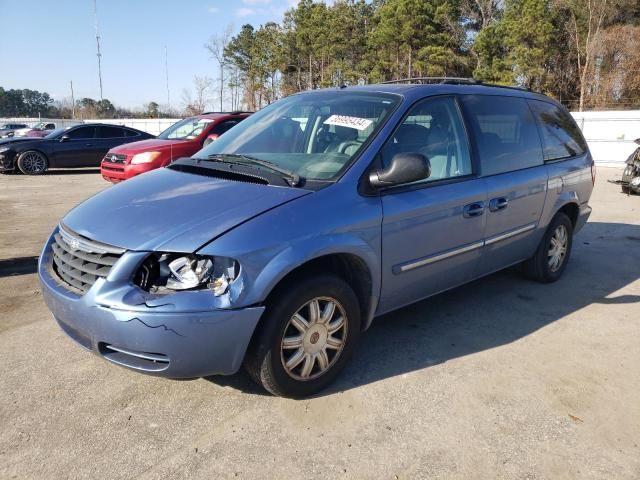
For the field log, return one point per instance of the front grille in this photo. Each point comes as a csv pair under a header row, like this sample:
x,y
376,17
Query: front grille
x,y
113,168
79,262
115,158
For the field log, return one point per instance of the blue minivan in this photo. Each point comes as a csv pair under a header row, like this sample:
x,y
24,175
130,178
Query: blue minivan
x,y
277,245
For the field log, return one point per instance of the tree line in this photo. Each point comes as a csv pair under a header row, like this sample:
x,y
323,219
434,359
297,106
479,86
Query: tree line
x,y
585,53
32,103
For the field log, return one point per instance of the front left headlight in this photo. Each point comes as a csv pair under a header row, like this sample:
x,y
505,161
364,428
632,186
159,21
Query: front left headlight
x,y
170,271
4,149
146,157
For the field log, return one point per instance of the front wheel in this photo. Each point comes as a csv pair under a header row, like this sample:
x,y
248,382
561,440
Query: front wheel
x,y
32,162
306,337
552,255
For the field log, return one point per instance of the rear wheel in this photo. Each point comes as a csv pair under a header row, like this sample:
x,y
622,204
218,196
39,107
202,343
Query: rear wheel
x,y
306,337
32,162
552,255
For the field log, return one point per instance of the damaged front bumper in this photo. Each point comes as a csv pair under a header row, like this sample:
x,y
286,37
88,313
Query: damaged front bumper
x,y
7,161
182,335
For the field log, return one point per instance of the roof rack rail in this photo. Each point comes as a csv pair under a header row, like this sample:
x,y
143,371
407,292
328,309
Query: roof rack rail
x,y
234,112
429,80
452,81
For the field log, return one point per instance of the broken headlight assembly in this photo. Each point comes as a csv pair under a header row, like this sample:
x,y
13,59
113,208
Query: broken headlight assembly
x,y
168,272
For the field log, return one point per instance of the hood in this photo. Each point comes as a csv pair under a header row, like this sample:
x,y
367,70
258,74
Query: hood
x,y
145,146
167,210
8,141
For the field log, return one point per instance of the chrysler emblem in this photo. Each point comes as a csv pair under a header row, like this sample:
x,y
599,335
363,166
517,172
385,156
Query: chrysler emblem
x,y
74,244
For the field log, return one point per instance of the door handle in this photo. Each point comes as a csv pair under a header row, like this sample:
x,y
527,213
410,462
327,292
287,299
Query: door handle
x,y
88,144
473,209
499,203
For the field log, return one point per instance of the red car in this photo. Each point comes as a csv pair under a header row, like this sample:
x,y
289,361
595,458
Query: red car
x,y
40,130
182,139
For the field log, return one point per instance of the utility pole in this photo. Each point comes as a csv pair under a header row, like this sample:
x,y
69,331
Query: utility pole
x,y
73,102
95,16
166,70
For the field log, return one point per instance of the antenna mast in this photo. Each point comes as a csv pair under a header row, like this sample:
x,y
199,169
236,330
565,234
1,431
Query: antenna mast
x,y
99,55
166,69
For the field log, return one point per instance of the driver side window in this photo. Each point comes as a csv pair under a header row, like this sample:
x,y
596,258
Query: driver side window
x,y
433,128
81,133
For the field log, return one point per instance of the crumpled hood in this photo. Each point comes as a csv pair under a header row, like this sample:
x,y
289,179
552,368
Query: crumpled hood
x,y
167,210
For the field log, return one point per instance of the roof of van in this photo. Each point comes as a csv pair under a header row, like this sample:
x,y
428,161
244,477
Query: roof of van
x,y
416,89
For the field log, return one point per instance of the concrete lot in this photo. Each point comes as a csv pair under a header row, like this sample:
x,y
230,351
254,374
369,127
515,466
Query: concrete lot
x,y
503,378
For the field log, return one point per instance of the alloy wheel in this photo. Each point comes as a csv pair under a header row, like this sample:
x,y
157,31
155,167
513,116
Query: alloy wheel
x,y
33,163
558,248
314,338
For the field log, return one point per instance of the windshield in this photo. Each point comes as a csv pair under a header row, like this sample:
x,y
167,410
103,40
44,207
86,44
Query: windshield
x,y
187,129
39,126
55,133
314,135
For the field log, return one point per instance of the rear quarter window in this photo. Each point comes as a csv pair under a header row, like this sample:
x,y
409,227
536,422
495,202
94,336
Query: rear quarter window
x,y
561,137
110,132
505,133
130,133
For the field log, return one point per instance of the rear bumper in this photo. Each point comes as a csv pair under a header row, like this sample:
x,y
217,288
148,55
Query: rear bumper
x,y
163,337
583,216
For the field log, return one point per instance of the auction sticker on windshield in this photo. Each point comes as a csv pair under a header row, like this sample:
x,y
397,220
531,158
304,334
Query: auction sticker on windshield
x,y
349,122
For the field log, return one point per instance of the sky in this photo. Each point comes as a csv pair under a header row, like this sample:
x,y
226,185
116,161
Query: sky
x,y
44,44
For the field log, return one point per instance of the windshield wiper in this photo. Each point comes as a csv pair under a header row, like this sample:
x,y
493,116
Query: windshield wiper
x,y
292,178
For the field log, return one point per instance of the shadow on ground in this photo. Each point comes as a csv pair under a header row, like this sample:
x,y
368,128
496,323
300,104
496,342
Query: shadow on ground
x,y
18,266
73,171
489,312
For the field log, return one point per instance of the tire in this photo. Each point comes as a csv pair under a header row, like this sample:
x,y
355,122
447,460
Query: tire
x,y
32,162
552,255
310,343
626,190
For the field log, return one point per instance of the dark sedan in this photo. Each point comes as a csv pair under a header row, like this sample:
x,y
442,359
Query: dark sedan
x,y
73,147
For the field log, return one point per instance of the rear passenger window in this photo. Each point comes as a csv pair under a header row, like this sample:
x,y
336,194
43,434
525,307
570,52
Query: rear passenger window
x,y
505,132
110,132
434,129
561,136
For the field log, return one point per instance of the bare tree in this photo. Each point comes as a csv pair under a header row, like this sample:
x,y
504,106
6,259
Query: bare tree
x,y
616,78
197,103
481,13
216,47
587,19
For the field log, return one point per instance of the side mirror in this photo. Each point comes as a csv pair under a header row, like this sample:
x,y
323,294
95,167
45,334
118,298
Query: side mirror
x,y
65,138
404,168
210,139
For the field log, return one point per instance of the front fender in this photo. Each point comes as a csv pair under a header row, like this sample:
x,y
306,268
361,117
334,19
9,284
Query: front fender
x,y
263,269
296,255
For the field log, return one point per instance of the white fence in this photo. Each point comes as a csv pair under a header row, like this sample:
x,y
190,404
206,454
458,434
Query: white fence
x,y
151,125
610,134
60,122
